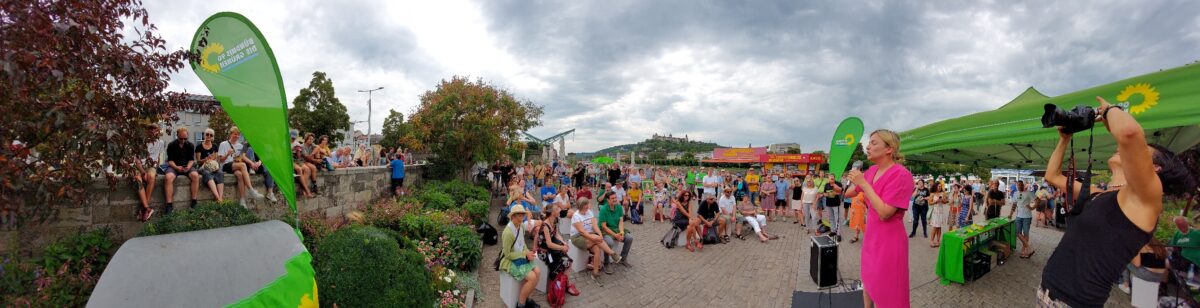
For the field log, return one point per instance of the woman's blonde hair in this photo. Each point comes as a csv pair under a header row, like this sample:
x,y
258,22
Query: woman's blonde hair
x,y
891,140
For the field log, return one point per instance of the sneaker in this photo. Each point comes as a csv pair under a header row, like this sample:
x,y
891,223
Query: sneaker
x,y
625,263
192,204
242,202
255,194
596,279
168,207
608,270
149,213
271,196
616,259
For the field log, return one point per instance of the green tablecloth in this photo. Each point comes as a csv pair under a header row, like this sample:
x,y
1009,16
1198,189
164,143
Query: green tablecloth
x,y
949,265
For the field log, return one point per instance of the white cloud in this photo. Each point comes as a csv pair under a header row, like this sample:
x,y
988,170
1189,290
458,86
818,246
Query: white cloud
x,y
760,72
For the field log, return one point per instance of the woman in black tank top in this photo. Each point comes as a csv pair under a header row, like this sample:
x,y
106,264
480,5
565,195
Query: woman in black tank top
x,y
1113,225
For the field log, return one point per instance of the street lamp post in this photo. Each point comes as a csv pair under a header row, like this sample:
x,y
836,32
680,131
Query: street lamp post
x,y
369,92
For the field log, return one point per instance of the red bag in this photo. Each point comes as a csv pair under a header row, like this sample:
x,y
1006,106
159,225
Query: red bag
x,y
556,292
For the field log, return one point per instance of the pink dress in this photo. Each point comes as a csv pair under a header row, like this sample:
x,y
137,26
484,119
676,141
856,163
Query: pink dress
x,y
885,246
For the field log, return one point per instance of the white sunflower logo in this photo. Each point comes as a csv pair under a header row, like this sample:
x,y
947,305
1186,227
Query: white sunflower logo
x,y
1149,97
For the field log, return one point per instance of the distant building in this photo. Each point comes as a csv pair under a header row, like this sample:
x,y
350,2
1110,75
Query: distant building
x,y
195,121
675,155
781,148
669,137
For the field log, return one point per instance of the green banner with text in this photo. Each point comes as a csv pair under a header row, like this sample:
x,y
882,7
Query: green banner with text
x,y
845,139
239,69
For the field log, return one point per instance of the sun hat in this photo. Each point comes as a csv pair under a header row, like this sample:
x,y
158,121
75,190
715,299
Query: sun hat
x,y
516,209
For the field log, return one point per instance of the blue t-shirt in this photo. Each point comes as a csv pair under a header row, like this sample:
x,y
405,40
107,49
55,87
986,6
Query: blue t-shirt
x,y
549,190
397,168
780,187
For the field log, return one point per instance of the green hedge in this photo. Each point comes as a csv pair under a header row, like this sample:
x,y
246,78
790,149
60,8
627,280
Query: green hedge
x,y
365,267
419,226
461,191
207,215
436,199
465,246
478,210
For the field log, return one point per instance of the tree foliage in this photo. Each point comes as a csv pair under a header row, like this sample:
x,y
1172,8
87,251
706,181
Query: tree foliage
x,y
464,121
220,123
77,95
395,131
317,110
797,151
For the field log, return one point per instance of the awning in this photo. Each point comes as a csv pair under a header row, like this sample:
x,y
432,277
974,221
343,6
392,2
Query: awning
x,y
1165,103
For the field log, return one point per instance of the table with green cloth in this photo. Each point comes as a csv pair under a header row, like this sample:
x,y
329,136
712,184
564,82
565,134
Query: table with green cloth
x,y
960,243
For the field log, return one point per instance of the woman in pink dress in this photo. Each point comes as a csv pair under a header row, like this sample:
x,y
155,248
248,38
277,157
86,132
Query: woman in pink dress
x,y
887,187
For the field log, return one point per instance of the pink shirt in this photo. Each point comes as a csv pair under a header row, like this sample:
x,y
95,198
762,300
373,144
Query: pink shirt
x,y
885,246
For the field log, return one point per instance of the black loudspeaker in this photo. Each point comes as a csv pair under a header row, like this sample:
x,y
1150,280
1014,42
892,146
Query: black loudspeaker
x,y
823,263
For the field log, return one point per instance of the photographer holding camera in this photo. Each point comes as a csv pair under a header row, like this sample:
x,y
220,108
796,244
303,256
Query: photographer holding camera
x,y
1109,227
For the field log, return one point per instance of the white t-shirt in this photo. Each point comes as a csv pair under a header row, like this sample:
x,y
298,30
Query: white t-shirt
x,y
810,195
586,218
229,151
711,179
726,203
620,192
154,151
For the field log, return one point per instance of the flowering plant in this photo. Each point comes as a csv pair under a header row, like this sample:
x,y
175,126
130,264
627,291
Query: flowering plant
x,y
452,299
436,254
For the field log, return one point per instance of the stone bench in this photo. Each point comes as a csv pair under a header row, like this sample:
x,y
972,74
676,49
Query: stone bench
x,y
510,290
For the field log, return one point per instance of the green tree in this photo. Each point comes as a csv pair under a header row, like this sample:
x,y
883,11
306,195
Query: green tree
x,y
464,121
78,93
394,129
658,155
797,151
220,123
317,110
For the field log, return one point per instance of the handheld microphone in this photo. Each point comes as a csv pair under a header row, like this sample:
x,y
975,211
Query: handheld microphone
x,y
857,165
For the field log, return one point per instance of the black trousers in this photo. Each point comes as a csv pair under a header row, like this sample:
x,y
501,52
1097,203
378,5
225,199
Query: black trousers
x,y
919,213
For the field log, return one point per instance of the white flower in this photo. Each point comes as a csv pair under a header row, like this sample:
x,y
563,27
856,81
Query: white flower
x,y
447,278
455,292
450,273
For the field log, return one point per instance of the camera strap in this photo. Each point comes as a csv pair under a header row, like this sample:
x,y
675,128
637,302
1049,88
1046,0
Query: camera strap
x,y
1075,205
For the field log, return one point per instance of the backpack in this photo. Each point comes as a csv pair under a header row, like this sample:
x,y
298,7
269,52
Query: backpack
x,y
487,233
710,236
635,215
556,290
671,237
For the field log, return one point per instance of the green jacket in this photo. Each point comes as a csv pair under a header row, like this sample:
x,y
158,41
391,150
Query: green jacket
x,y
507,240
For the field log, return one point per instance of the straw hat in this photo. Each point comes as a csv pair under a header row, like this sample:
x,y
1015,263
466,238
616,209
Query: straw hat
x,y
516,209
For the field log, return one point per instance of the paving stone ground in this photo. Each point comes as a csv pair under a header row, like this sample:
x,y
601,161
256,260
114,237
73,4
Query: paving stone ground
x,y
752,274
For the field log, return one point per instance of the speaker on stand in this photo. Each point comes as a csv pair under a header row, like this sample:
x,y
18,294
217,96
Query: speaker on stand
x,y
823,261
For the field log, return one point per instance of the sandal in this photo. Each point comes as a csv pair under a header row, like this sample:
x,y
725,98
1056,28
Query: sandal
x,y
689,247
854,240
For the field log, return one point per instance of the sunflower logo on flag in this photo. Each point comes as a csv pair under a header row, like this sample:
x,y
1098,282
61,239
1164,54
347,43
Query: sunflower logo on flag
x,y
1149,97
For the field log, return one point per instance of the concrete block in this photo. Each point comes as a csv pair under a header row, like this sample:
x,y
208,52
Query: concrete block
x,y
543,269
510,290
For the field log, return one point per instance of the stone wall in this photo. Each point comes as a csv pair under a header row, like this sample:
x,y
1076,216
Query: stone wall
x,y
339,191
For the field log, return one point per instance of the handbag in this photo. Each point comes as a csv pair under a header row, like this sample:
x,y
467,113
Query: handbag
x,y
211,166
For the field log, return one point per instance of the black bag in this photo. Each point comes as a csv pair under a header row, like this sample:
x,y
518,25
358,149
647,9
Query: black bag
x,y
502,218
487,233
670,238
710,236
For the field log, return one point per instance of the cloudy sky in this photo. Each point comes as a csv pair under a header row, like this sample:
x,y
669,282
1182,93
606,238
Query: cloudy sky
x,y
731,72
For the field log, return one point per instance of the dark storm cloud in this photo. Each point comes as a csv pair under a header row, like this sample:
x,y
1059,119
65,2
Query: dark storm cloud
x,y
895,64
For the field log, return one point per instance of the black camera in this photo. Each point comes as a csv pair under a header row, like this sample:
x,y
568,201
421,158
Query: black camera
x,y
1077,119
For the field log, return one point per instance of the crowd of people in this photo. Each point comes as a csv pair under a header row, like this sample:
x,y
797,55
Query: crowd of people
x,y
869,205
599,200
206,162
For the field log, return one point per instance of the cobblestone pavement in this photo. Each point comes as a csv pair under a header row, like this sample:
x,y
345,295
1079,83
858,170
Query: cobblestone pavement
x,y
752,274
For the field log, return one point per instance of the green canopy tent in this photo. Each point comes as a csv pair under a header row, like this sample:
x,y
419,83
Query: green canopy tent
x,y
603,160
1165,103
